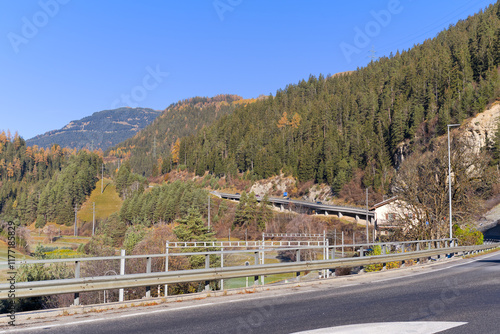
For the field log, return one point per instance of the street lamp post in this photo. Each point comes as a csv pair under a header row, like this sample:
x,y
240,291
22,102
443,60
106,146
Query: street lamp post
x,y
449,177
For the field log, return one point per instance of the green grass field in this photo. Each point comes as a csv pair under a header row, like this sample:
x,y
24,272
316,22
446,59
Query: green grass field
x,y
4,257
106,203
4,253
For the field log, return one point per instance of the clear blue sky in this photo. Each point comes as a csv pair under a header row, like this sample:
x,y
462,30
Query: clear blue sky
x,y
63,60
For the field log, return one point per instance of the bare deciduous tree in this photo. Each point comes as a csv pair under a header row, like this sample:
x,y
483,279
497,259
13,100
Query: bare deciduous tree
x,y
422,189
51,231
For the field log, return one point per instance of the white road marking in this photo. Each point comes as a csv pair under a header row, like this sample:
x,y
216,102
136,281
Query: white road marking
x,y
420,327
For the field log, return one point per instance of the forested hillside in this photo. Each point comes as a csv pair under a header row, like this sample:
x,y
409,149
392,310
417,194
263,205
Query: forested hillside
x,y
328,129
100,130
149,152
43,184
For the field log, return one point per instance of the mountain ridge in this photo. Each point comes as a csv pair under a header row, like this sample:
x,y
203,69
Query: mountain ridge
x,y
100,130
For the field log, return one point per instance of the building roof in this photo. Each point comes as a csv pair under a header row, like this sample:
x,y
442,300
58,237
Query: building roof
x,y
385,202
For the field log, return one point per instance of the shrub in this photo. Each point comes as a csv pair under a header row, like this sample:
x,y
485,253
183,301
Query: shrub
x,y
377,250
467,236
393,265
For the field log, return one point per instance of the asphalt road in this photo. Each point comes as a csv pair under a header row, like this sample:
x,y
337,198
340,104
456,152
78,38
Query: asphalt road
x,y
462,295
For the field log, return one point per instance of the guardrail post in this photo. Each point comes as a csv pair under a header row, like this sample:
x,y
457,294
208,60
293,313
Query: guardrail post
x,y
207,265
166,269
297,258
148,270
342,244
77,275
326,272
122,272
262,260
418,246
361,251
222,266
256,278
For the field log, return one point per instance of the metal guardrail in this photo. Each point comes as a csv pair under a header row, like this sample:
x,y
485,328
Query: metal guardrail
x,y
87,284
282,246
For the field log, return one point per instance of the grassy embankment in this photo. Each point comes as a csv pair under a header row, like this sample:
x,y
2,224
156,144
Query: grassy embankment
x,y
4,257
105,204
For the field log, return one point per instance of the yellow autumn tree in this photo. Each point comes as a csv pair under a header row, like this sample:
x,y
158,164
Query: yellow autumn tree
x,y
175,151
283,122
295,122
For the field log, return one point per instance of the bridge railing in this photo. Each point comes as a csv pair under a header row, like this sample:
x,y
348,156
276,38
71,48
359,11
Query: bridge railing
x,y
246,244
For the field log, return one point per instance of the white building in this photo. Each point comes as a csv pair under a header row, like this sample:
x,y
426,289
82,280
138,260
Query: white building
x,y
387,212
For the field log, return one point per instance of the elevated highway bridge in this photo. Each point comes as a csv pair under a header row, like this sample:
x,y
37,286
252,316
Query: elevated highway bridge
x,y
309,207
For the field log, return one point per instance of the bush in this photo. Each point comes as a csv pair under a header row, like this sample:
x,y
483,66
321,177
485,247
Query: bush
x,y
468,236
377,250
393,265
133,236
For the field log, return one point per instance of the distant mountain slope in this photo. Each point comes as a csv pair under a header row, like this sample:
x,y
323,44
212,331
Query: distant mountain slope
x,y
149,151
101,130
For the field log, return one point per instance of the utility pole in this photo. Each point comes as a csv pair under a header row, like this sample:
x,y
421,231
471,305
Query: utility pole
x,y
102,179
209,212
76,229
93,218
372,56
154,148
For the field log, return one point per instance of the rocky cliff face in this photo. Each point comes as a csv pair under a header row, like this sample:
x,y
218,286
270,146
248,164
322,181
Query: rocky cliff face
x,y
274,186
480,130
402,151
